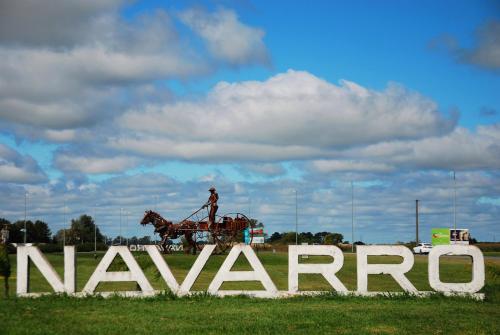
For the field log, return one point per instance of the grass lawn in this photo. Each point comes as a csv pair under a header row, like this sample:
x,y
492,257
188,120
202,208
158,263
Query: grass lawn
x,y
323,314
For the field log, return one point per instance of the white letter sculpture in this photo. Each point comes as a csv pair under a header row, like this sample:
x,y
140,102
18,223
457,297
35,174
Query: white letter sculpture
x,y
135,274
477,282
327,270
167,275
258,274
24,253
397,271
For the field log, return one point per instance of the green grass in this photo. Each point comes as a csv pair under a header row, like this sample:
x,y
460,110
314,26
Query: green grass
x,y
492,253
239,315
210,315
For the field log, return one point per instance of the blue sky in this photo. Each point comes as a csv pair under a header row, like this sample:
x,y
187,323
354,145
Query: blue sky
x,y
121,103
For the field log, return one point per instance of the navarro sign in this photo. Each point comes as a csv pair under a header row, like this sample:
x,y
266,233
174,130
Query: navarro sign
x,y
328,271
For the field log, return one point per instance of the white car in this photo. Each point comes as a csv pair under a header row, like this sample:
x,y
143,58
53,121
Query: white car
x,y
422,248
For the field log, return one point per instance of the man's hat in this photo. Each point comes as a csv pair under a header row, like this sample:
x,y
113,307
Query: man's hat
x,y
211,189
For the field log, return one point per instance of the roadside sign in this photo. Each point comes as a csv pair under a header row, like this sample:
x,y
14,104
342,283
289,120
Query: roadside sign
x,y
440,236
258,235
446,236
459,236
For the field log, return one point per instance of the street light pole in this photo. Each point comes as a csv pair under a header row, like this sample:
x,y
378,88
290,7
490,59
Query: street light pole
x,y
121,226
454,206
95,232
416,222
64,223
352,215
25,205
296,220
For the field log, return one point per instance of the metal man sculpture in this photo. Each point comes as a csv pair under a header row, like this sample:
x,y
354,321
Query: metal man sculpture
x,y
212,201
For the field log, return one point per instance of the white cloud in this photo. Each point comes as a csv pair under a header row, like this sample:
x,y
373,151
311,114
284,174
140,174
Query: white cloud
x,y
69,64
293,115
328,166
94,165
209,151
55,23
65,135
72,87
17,168
487,51
226,37
264,169
484,53
461,149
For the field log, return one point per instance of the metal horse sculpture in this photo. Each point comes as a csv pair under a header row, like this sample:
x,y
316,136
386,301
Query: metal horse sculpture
x,y
224,232
169,230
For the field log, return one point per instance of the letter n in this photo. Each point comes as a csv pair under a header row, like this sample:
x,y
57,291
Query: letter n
x,y
25,253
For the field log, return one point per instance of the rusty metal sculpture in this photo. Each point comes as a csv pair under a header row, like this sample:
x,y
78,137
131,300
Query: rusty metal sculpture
x,y
223,232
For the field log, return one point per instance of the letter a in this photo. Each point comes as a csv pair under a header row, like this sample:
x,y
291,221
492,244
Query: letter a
x,y
258,274
135,274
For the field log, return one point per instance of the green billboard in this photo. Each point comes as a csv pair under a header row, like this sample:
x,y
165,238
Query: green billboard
x,y
440,236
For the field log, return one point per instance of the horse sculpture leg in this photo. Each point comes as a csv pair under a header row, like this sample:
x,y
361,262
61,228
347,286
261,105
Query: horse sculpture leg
x,y
191,242
163,244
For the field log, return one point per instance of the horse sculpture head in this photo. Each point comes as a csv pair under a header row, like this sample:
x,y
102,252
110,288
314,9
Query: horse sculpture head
x,y
156,220
149,217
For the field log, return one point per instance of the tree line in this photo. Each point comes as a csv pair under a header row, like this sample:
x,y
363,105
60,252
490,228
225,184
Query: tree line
x,y
323,237
82,231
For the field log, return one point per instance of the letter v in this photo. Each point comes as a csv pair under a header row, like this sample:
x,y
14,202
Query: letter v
x,y
193,273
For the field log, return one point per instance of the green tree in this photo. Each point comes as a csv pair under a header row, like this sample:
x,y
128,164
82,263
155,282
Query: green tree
x,y
333,238
37,232
144,240
275,237
40,232
17,233
306,237
320,237
60,235
82,230
288,238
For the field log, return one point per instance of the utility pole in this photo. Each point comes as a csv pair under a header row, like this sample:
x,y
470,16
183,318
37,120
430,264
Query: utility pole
x,y
155,237
416,222
454,207
25,214
121,226
95,232
352,215
65,223
126,225
296,220
249,207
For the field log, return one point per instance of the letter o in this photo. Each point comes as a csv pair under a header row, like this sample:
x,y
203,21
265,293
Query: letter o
x,y
473,286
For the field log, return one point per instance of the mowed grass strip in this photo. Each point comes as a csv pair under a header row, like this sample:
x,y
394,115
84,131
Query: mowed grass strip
x,y
240,315
210,315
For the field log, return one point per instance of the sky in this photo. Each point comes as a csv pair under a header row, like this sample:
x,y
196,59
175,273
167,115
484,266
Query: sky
x,y
110,108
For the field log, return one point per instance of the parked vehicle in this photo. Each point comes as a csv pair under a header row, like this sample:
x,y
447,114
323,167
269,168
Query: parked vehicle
x,y
422,248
